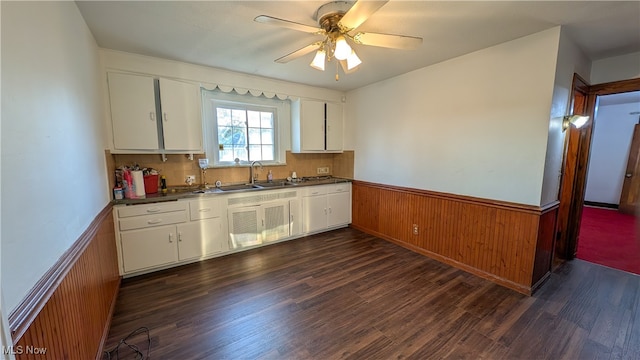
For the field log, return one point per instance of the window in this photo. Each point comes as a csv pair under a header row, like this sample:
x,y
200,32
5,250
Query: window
x,y
240,129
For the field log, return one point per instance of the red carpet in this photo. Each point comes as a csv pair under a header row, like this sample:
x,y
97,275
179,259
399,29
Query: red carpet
x,y
608,238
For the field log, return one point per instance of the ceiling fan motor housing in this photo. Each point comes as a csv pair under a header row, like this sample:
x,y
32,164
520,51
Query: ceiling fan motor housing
x,y
329,15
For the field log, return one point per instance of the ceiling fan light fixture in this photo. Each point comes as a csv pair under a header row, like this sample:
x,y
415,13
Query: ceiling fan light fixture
x,y
353,60
318,60
342,50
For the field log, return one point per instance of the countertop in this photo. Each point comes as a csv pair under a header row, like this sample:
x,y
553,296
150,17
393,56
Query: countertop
x,y
183,192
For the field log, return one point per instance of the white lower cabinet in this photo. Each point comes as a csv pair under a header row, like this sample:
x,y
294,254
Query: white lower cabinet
x,y
326,206
201,238
148,248
160,235
257,224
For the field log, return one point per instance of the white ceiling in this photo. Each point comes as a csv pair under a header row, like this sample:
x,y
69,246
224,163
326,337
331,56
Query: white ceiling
x,y
222,34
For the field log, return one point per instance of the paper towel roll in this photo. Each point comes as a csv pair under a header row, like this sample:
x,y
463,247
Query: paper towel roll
x,y
138,183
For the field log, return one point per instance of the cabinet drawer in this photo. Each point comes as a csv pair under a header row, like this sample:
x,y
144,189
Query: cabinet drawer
x,y
204,209
136,210
342,187
139,222
314,190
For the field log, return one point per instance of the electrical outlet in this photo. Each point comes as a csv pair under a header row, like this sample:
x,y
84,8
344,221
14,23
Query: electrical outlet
x,y
323,170
415,229
190,179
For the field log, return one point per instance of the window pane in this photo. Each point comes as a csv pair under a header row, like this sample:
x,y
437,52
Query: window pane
x,y
267,152
267,120
240,152
254,118
267,136
239,136
254,136
226,154
225,135
239,118
255,153
224,116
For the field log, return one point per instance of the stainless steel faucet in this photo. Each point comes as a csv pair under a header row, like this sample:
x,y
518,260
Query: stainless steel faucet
x,y
253,177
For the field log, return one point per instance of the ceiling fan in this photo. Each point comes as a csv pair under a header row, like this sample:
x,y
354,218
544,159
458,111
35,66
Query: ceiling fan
x,y
337,22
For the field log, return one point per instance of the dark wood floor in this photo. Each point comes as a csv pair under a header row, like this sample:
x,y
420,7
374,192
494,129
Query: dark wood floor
x,y
345,294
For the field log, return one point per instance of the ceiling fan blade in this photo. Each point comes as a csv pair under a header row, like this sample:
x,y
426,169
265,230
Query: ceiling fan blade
x,y
388,40
265,19
359,13
298,53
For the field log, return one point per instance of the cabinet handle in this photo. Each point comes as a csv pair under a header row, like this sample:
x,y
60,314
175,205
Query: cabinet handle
x,y
205,210
180,237
170,237
325,211
153,210
154,221
152,116
165,117
329,210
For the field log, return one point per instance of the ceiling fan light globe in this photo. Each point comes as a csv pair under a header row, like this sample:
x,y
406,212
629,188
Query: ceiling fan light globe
x,y
342,49
353,60
318,60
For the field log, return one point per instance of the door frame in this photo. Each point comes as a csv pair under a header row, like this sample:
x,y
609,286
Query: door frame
x,y
568,226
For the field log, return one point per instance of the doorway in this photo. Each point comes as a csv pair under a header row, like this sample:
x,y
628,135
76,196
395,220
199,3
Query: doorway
x,y
577,151
607,233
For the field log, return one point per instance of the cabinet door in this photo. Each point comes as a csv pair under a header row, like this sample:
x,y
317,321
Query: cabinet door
x,y
275,221
314,213
133,112
148,248
339,209
181,119
312,125
334,127
244,227
201,238
295,219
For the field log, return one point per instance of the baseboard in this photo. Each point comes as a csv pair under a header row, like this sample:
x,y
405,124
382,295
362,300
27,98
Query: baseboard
x,y
601,205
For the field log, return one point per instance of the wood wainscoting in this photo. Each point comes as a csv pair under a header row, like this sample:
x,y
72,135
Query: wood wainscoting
x,y
68,312
510,244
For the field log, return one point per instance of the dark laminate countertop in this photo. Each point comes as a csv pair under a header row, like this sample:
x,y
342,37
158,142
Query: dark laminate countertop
x,y
176,193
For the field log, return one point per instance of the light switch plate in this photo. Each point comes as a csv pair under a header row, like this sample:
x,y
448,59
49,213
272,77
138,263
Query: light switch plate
x,y
323,170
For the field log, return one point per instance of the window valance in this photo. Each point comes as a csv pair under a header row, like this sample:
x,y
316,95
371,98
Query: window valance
x,y
243,91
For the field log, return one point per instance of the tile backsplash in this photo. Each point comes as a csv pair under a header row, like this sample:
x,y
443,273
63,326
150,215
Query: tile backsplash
x,y
177,167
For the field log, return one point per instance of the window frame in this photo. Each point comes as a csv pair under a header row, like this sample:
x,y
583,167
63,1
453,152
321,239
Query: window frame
x,y
212,99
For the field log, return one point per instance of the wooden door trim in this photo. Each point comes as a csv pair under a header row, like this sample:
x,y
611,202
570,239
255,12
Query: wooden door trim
x,y
632,163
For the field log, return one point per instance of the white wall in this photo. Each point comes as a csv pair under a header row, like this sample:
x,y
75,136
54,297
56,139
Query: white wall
x,y
53,164
570,60
475,125
616,68
610,146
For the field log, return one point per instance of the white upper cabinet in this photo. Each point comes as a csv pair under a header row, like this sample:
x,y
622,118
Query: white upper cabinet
x,y
143,121
133,112
181,119
316,126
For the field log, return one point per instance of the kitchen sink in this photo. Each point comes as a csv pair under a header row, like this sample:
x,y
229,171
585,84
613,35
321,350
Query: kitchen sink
x,y
274,184
238,187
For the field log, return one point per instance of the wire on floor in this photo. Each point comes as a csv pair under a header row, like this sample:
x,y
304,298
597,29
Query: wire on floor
x,y
139,355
